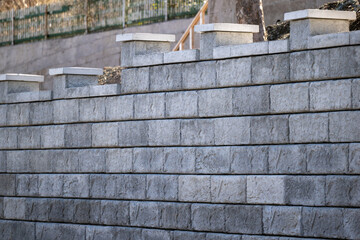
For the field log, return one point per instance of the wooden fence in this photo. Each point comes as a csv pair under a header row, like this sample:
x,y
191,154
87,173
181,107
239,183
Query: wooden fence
x,y
83,16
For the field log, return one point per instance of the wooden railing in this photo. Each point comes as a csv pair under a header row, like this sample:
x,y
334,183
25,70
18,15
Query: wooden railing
x,y
189,33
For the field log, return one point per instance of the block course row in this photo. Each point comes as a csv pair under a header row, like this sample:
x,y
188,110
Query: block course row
x,y
242,219
280,189
280,159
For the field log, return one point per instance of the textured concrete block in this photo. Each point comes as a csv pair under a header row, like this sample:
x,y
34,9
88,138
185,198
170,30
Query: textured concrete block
x,y
37,209
355,93
66,111
182,104
119,107
51,185
165,77
355,37
250,49
17,161
145,214
178,235
61,210
135,80
175,215
162,187
3,110
343,191
149,106
40,161
92,160
309,128
228,189
115,212
3,162
327,158
287,159
148,159
29,137
249,160
17,230
330,95
148,59
27,185
92,109
282,220
352,223
29,96
216,236
190,55
41,113
329,40
251,100
305,190
59,231
243,219
217,102
289,97
279,46
197,132
131,187
104,186
269,129
265,189
354,158
269,69
179,160
346,56
323,222
65,161
7,184
18,114
164,132
105,90
199,75
86,211
232,131
105,135
119,160
343,127
105,233
152,234
76,186
78,135
212,160
233,72
133,133
52,136
194,188
14,208
208,217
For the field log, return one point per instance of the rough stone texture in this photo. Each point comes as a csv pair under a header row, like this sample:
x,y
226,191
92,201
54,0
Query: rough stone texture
x,y
251,100
41,112
212,160
119,107
144,214
352,223
208,217
148,159
232,131
66,111
228,189
27,185
118,160
199,75
133,133
162,187
249,160
165,77
287,159
233,72
149,106
78,135
355,93
342,127
92,109
182,104
194,188
7,184
354,158
105,134
282,220
10,230
179,160
273,68
343,191
18,114
269,129
215,102
243,219
289,98
135,80
52,136
265,189
164,132
59,231
197,132
28,137
14,208
175,215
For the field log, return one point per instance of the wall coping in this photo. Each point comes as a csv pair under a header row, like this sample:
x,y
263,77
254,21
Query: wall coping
x,y
76,71
319,14
227,27
21,77
149,37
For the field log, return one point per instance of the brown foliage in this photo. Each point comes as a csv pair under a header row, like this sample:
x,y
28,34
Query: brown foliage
x,y
6,5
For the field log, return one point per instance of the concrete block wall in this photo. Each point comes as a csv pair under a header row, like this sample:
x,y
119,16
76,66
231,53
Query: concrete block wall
x,y
251,147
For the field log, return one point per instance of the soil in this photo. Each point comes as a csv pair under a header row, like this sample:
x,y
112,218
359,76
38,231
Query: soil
x,y
111,75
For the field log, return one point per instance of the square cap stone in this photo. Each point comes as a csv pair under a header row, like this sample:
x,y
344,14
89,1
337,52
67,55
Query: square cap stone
x,y
227,27
149,37
320,14
21,77
76,71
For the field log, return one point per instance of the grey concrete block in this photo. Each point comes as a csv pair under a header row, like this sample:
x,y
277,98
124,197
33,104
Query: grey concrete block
x,y
212,160
282,220
165,77
351,223
164,132
287,159
65,161
7,184
3,110
250,160
104,186
119,107
343,191
217,236
29,137
41,113
148,59
182,104
343,127
37,209
233,72
162,187
9,138
77,92
329,40
355,93
115,212
17,230
59,231
52,136
152,234
323,222
289,97
18,114
144,214
179,160
305,190
327,158
190,55
131,187
105,135
148,159
61,210
197,132
105,90
279,46
27,185
119,160
250,49
175,215
92,109
76,81
133,133
76,186
228,189
149,106
208,217
66,111
265,189
232,131
135,80
354,158
3,162
199,75
78,135
309,128
330,95
179,235
251,100
243,219
114,233
40,161
346,57
354,37
17,161
269,69
269,129
92,160
216,102
14,208
194,188
29,96
51,185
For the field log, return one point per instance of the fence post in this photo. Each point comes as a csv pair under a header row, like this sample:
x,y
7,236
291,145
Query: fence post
x,y
12,27
46,22
123,12
166,10
86,16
